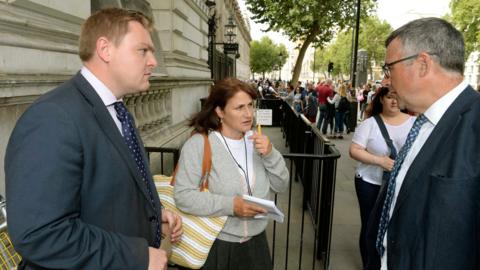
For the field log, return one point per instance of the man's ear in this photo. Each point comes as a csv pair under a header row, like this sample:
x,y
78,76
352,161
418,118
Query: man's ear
x,y
103,49
426,63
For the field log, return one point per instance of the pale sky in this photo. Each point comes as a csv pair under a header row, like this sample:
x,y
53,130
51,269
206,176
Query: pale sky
x,y
395,12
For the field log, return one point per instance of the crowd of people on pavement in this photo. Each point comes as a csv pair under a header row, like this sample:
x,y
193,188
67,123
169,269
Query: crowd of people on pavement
x,y
326,104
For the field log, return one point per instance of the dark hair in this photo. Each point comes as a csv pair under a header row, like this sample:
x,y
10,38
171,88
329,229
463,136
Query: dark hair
x,y
220,93
434,36
376,107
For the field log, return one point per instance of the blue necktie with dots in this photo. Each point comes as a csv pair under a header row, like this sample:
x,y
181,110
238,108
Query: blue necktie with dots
x,y
384,218
130,138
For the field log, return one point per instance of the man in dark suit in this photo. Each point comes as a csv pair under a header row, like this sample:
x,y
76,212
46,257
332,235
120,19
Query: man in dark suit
x,y
428,215
78,198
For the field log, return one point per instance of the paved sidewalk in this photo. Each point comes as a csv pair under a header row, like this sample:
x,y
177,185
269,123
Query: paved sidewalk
x,y
345,254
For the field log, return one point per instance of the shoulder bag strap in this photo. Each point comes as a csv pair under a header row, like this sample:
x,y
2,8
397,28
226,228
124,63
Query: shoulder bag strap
x,y
383,129
206,163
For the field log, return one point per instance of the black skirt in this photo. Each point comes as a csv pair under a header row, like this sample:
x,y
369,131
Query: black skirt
x,y
251,255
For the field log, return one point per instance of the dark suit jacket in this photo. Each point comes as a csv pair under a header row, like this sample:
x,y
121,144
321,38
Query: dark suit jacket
x,y
75,199
436,220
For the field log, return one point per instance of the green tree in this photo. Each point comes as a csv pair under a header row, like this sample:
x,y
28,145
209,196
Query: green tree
x,y
466,17
265,55
306,21
373,33
282,55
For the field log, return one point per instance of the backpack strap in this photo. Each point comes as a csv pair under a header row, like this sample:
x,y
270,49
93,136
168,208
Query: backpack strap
x,y
383,129
206,163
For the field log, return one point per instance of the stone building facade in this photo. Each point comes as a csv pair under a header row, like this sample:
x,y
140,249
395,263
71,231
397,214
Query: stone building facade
x,y
38,51
472,70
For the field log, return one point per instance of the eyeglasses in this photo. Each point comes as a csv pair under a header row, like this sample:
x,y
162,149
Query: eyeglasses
x,y
387,66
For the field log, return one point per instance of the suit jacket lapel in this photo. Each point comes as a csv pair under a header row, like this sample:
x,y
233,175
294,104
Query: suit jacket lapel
x,y
433,146
110,129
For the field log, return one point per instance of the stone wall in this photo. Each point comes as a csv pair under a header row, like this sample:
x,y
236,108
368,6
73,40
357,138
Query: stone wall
x,y
38,51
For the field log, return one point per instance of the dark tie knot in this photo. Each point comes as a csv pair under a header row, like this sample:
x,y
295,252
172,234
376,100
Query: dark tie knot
x,y
121,110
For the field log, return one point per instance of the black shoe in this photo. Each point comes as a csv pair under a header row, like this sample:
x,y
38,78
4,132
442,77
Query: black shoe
x,y
340,137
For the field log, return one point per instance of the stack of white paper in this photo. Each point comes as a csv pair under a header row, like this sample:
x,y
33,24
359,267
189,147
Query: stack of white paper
x,y
272,211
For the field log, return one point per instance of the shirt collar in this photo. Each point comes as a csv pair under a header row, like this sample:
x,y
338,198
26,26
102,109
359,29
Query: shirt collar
x,y
102,90
435,112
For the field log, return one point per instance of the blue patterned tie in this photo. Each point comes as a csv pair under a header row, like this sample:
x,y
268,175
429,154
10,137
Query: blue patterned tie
x,y
130,138
384,218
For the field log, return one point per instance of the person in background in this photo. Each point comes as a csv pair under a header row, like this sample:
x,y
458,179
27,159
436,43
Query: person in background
x,y
78,198
428,215
324,90
372,153
297,100
364,102
290,95
339,112
312,103
243,163
351,97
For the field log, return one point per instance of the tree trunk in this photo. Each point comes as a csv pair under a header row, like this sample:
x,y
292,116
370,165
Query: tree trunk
x,y
301,54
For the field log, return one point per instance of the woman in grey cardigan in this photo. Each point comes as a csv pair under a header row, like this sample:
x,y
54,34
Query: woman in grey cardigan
x,y
243,162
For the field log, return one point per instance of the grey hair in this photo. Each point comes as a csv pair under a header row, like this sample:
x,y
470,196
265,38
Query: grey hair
x,y
436,37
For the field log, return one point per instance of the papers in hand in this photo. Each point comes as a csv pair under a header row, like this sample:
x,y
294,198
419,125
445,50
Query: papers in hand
x,y
272,211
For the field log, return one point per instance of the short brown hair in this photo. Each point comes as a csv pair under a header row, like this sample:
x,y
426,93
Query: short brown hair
x,y
222,91
111,23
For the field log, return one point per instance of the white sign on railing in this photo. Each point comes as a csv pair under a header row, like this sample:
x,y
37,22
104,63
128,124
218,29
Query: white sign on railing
x,y
264,117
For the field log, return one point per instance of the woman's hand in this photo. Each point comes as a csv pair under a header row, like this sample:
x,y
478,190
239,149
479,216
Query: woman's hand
x,y
261,143
385,162
359,153
243,209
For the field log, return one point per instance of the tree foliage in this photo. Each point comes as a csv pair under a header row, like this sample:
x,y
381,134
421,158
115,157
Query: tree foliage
x,y
466,17
306,21
265,55
373,33
337,52
372,36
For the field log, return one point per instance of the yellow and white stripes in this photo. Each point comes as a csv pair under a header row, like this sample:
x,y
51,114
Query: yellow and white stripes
x,y
199,233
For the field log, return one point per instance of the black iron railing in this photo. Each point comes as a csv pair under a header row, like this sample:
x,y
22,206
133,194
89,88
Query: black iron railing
x,y
312,162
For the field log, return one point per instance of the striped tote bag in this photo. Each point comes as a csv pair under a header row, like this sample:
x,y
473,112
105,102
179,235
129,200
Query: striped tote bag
x,y
199,233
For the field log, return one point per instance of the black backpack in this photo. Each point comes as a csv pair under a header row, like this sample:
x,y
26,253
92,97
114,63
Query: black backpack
x,y
343,105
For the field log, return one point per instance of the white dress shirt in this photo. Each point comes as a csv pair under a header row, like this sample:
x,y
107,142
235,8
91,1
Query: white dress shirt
x,y
106,95
433,114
